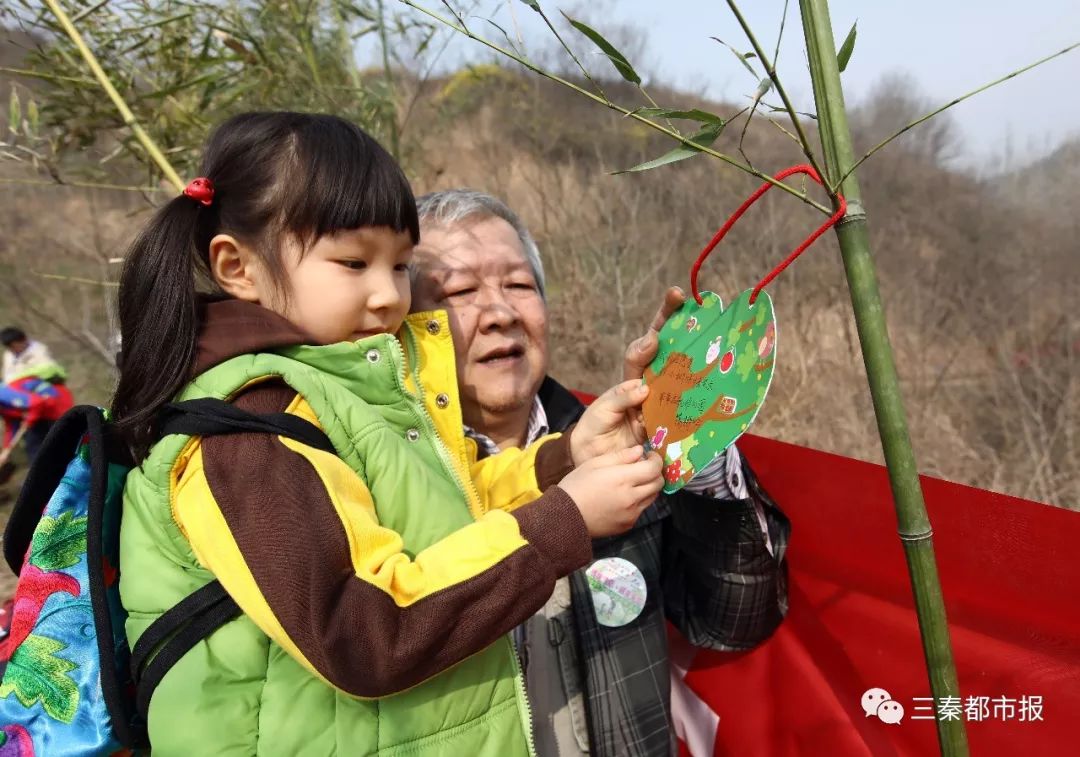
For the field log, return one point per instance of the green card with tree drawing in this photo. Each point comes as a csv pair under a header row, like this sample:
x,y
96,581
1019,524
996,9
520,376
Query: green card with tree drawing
x,y
708,380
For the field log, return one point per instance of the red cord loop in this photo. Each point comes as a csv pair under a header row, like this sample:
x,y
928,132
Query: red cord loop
x,y
809,171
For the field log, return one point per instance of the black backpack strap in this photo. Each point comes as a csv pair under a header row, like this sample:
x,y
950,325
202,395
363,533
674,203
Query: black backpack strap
x,y
112,688
207,609
211,417
193,619
197,603
44,476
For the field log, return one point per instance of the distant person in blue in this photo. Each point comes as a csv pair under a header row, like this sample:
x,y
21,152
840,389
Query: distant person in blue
x,y
33,391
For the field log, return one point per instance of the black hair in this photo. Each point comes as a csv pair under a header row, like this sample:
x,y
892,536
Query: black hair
x,y
12,334
274,174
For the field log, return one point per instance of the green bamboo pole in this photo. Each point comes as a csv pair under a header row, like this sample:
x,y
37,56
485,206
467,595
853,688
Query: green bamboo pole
x,y
916,534
125,112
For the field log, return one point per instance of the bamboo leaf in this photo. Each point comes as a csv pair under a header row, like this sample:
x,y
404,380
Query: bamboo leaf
x,y
779,109
506,36
847,48
423,44
33,118
361,12
178,87
14,112
693,114
155,24
741,56
763,88
534,4
622,65
704,137
92,9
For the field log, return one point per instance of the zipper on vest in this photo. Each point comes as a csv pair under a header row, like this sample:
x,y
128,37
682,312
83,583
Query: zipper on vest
x,y
466,487
472,495
524,708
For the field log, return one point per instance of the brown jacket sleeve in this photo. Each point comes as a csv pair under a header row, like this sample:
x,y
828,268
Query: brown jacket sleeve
x,y
352,632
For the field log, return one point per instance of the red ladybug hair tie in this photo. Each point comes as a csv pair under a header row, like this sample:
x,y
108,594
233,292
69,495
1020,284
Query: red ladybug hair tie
x,y
201,190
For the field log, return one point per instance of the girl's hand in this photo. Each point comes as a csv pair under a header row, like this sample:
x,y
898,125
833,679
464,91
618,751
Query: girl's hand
x,y
610,491
611,423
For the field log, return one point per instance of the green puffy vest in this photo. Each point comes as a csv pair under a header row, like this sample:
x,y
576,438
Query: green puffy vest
x,y
239,693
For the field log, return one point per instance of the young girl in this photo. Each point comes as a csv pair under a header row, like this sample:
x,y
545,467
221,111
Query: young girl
x,y
378,584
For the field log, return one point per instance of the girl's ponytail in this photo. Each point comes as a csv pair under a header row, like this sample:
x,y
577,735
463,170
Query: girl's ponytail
x,y
159,319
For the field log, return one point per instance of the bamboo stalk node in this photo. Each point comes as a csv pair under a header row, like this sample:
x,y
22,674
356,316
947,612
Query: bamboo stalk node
x,y
855,212
924,536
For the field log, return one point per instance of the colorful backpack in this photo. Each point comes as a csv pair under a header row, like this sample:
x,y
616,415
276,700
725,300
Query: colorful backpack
x,y
72,685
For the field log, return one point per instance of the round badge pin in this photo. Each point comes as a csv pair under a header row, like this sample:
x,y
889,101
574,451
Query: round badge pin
x,y
618,591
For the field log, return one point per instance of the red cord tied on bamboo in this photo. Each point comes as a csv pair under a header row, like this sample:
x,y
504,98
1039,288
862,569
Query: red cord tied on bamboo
x,y
201,190
804,169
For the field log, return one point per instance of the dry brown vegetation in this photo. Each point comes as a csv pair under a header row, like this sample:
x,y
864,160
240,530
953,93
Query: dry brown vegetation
x,y
979,288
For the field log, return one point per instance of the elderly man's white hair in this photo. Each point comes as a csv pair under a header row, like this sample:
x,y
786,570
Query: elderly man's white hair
x,y
452,206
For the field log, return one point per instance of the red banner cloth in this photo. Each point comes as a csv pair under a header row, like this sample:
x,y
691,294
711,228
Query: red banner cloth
x,y
1011,580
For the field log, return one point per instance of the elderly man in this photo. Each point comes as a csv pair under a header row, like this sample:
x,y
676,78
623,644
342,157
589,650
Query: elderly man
x,y
709,558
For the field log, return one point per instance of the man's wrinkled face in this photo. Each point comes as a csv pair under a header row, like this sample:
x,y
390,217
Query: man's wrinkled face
x,y
477,271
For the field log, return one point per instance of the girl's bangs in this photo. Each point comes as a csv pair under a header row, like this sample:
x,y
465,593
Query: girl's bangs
x,y
345,180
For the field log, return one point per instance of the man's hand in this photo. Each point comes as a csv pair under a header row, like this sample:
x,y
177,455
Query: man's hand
x,y
641,351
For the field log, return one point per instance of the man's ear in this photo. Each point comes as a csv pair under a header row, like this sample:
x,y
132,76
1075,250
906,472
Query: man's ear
x,y
236,268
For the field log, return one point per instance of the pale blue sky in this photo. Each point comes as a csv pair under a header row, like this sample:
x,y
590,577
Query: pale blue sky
x,y
949,47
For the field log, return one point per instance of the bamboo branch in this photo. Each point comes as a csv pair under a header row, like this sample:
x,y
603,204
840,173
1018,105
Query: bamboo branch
x,y
780,126
46,77
388,74
585,71
619,109
75,279
79,184
125,112
770,69
758,97
455,14
300,18
89,11
780,36
958,100
424,77
566,47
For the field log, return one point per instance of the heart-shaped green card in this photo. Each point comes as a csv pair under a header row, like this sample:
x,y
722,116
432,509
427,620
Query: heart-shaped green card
x,y
708,380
